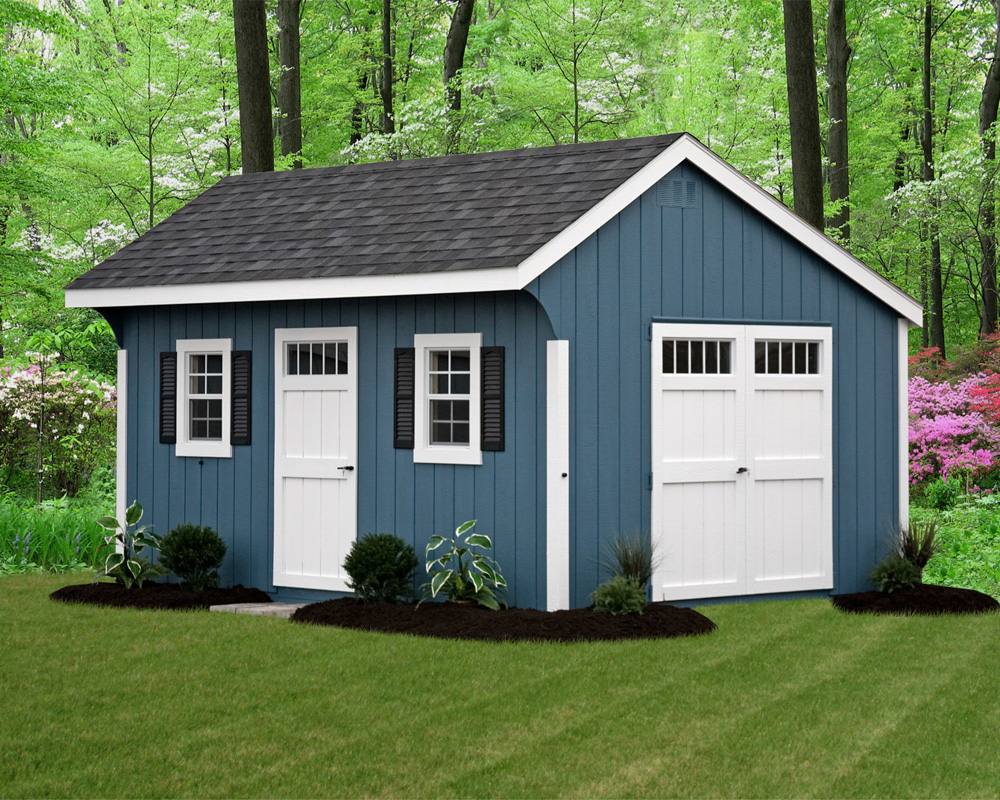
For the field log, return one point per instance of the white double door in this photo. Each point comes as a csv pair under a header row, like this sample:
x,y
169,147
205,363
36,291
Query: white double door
x,y
315,455
742,459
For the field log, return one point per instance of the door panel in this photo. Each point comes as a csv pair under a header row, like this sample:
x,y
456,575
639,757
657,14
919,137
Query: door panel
x,y
315,456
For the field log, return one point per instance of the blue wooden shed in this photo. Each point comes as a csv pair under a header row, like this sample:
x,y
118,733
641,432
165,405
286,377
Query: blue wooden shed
x,y
565,343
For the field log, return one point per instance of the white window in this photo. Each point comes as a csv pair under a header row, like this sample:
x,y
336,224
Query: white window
x,y
447,407
204,397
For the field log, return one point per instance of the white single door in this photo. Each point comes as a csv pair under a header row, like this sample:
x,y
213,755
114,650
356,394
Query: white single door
x,y
315,455
741,460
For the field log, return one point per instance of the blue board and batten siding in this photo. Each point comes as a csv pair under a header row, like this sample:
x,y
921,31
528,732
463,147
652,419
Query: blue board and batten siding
x,y
717,261
236,495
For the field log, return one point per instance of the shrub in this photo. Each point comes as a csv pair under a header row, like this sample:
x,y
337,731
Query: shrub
x,y
125,563
463,572
894,572
381,568
631,556
194,554
942,494
620,595
918,543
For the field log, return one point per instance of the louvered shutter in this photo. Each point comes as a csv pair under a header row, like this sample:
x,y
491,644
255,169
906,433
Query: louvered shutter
x,y
492,398
168,398
402,433
240,434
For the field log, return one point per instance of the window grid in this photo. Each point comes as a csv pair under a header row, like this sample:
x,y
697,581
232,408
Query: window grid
x,y
697,357
316,358
786,358
205,396
450,384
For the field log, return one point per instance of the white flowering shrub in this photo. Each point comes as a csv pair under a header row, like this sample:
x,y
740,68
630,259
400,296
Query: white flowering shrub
x,y
61,415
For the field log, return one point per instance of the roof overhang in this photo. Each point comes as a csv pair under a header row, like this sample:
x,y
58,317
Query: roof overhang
x,y
686,148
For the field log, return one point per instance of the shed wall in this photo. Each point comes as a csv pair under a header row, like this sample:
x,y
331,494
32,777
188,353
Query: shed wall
x,y
718,261
236,495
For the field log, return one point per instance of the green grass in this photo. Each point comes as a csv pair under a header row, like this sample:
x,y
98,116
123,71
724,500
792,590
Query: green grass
x,y
788,699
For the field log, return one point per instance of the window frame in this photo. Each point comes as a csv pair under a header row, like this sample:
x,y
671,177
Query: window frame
x,y
423,451
200,448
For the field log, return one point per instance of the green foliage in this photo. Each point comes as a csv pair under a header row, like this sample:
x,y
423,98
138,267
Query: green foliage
x,y
58,536
968,546
631,555
464,571
125,562
381,568
194,554
942,493
894,572
620,595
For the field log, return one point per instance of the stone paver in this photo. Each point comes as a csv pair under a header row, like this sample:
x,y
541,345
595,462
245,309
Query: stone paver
x,y
283,610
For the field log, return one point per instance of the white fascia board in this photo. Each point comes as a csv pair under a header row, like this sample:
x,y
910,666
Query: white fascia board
x,y
686,148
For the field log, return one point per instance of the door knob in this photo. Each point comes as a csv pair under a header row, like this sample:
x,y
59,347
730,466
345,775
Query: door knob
x,y
348,469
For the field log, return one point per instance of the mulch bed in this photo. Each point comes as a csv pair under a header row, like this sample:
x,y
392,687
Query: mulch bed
x,y
155,595
923,599
457,621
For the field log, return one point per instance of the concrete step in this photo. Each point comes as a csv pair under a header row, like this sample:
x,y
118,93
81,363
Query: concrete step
x,y
282,610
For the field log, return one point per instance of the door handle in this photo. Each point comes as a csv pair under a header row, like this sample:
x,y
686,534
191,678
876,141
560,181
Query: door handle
x,y
348,469
741,470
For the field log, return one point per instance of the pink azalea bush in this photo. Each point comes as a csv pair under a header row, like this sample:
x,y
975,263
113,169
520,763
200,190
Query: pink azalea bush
x,y
950,433
64,415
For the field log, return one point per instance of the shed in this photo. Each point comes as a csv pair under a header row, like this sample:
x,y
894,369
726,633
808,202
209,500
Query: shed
x,y
565,343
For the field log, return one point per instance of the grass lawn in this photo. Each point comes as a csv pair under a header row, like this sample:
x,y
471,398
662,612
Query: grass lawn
x,y
788,699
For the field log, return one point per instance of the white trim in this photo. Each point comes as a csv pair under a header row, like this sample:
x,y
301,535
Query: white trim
x,y
423,451
685,148
121,436
557,475
903,412
185,447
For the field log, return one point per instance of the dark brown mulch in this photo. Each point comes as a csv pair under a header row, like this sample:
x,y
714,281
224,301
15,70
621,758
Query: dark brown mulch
x,y
457,621
156,595
924,599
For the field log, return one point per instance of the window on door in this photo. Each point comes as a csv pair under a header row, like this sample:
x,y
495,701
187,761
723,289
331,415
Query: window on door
x,y
697,357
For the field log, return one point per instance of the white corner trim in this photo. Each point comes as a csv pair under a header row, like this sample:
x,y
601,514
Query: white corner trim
x,y
185,447
514,277
423,451
121,436
557,475
903,412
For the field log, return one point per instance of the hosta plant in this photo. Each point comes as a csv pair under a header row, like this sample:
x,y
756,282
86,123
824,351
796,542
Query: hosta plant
x,y
125,563
464,572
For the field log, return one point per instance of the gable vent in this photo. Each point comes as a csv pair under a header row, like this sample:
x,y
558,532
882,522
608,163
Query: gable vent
x,y
675,193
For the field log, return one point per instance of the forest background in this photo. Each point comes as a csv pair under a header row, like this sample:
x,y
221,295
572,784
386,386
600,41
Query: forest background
x,y
114,113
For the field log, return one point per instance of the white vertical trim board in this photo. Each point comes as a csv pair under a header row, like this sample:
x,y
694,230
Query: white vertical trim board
x,y
903,446
557,475
121,437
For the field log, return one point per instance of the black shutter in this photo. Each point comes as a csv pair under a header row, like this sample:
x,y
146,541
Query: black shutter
x,y
402,432
241,397
492,398
168,398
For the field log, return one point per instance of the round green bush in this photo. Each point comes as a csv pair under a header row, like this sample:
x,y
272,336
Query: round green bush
x,y
620,595
194,554
381,566
895,572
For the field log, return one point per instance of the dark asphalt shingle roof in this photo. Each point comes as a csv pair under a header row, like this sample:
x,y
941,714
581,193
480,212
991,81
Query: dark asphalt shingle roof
x,y
420,215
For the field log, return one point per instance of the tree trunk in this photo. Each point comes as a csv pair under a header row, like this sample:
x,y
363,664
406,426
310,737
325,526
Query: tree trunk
x,y
289,88
803,111
838,55
454,51
988,106
927,174
388,119
254,81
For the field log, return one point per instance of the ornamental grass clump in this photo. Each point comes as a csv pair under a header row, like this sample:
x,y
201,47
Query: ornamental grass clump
x,y
917,543
381,567
464,573
632,556
194,554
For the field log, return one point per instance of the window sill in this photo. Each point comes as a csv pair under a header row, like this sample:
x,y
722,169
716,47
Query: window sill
x,y
447,455
204,450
